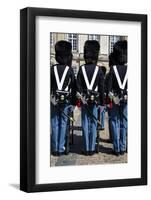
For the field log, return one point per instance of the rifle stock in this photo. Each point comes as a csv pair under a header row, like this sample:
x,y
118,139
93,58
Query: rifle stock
x,y
79,96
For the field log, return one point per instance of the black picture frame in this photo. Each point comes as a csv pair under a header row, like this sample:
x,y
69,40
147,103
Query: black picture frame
x,y
28,98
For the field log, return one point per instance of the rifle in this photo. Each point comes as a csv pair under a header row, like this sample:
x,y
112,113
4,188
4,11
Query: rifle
x,y
54,103
67,148
68,116
116,101
92,117
68,125
79,96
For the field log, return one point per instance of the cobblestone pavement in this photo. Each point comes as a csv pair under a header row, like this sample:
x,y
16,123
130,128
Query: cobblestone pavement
x,y
75,156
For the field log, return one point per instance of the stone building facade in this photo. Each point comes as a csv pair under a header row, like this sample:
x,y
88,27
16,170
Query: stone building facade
x,y
78,40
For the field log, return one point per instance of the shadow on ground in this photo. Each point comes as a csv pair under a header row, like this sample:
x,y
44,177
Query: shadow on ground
x,y
77,146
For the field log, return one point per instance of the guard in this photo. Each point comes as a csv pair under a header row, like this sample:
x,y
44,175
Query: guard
x,y
90,82
63,86
117,87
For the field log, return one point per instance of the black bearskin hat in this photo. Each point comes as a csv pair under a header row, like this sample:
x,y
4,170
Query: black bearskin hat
x,y
112,59
63,51
119,54
91,51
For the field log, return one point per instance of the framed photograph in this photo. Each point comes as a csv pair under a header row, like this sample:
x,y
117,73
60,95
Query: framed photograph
x,y
83,99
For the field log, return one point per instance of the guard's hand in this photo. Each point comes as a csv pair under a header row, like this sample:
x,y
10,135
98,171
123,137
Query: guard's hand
x,y
110,95
53,101
78,103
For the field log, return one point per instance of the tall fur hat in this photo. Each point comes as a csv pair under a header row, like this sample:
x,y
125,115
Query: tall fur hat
x,y
91,50
119,54
63,51
112,59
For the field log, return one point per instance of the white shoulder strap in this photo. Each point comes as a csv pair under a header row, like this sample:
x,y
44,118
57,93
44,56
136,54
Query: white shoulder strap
x,y
121,85
90,85
60,83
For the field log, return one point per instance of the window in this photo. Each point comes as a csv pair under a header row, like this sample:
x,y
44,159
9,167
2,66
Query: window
x,y
51,39
113,40
73,38
94,37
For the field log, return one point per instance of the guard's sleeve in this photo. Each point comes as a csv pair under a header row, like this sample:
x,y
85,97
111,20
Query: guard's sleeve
x,y
51,79
101,87
109,83
79,81
73,87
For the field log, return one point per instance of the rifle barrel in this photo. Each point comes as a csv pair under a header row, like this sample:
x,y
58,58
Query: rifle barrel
x,y
84,102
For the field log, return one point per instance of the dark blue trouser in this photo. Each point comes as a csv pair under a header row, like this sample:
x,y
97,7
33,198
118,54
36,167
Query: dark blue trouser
x,y
118,117
58,127
89,126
